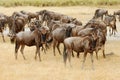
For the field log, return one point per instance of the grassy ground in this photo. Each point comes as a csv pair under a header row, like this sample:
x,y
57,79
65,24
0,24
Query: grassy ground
x,y
9,3
52,67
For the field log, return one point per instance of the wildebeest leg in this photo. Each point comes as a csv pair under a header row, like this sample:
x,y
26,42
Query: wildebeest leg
x,y
47,46
110,31
84,58
29,19
21,50
72,54
58,48
103,51
36,54
102,17
54,44
69,57
3,37
39,53
114,32
78,54
43,49
17,45
96,51
65,55
91,54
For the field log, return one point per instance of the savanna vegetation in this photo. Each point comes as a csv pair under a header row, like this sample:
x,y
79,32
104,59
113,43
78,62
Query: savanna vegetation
x,y
12,3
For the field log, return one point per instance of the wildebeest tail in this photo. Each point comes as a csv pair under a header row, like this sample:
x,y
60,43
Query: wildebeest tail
x,y
64,55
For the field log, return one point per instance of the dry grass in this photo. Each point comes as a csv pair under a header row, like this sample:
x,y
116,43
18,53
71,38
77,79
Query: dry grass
x,y
52,67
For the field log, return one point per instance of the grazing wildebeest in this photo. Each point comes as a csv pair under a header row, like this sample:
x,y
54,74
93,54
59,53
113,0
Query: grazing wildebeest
x,y
100,13
85,44
110,21
30,15
49,15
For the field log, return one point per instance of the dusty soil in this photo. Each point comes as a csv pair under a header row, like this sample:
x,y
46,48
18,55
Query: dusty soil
x,y
52,67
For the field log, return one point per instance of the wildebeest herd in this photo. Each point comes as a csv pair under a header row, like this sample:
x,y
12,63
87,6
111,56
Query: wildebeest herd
x,y
46,27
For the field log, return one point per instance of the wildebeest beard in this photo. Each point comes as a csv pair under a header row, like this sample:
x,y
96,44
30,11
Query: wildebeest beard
x,y
68,32
93,44
12,39
43,37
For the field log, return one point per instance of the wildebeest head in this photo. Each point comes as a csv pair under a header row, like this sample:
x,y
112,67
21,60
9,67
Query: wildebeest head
x,y
94,39
94,34
34,24
76,22
44,33
68,31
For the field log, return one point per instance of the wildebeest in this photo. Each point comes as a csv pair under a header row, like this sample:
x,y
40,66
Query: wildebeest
x,y
100,13
1,31
58,35
29,38
53,24
79,44
3,23
19,14
16,25
110,21
49,15
44,29
96,23
30,15
117,13
101,28
100,43
34,23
